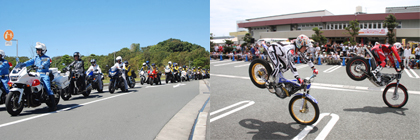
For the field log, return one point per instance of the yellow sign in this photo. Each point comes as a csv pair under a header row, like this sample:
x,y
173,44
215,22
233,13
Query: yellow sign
x,y
8,35
403,42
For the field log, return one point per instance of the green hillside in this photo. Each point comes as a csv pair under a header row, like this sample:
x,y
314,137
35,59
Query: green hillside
x,y
175,50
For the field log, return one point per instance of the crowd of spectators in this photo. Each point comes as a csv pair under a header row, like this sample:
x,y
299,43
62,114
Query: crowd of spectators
x,y
330,54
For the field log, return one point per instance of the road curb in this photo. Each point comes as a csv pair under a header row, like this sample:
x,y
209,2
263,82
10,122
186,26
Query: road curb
x,y
189,119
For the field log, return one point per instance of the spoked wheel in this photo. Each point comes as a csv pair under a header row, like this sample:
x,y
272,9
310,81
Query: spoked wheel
x,y
356,68
259,71
395,97
13,107
303,110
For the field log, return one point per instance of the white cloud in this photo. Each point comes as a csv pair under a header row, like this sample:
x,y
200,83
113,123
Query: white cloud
x,y
225,13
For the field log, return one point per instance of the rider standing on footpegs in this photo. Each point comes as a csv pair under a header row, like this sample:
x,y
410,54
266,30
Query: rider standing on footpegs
x,y
42,69
380,52
79,66
282,58
120,66
4,73
98,73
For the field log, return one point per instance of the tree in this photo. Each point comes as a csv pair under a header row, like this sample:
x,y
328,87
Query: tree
x,y
318,37
247,38
135,47
228,42
211,35
353,30
390,23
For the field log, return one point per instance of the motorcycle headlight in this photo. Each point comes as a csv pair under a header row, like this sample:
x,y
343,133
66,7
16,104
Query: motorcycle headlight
x,y
14,78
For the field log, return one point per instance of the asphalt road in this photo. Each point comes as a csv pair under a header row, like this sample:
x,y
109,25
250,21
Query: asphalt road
x,y
353,109
138,114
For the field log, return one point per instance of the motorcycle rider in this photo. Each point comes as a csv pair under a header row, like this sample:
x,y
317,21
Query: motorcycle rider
x,y
4,71
42,69
170,65
120,66
79,66
128,68
93,68
380,52
144,67
283,60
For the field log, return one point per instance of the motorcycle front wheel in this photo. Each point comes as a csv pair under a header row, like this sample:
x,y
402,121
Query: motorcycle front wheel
x,y
56,99
111,87
303,110
102,89
65,94
13,107
133,83
259,71
151,81
356,68
397,99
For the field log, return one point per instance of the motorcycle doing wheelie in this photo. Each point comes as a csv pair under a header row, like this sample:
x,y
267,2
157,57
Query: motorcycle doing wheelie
x,y
27,90
116,81
359,68
93,79
302,107
75,87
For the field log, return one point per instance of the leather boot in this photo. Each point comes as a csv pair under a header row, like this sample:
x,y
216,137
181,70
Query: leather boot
x,y
53,106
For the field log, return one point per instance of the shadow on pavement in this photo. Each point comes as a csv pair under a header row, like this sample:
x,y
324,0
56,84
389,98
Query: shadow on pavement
x,y
378,110
273,130
42,110
83,97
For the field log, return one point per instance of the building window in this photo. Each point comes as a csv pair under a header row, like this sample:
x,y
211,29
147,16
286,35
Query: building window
x,y
320,27
311,25
336,27
374,25
380,26
399,24
370,25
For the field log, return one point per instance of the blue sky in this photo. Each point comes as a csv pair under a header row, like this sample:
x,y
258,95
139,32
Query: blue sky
x,y
101,26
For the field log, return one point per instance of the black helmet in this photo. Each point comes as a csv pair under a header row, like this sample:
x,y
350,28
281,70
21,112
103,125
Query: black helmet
x,y
76,53
126,62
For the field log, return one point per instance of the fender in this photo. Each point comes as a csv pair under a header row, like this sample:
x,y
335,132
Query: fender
x,y
307,96
20,90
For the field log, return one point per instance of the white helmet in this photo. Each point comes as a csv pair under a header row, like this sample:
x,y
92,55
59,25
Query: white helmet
x,y
302,40
2,54
377,43
144,64
119,58
41,46
170,63
397,45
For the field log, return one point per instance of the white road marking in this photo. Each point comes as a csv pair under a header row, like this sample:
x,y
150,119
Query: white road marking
x,y
230,112
414,73
156,86
324,85
330,88
68,108
215,62
408,73
242,65
226,64
331,70
301,66
324,132
177,85
328,127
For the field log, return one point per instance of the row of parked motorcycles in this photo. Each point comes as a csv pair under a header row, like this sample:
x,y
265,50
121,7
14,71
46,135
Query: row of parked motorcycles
x,y
172,75
27,90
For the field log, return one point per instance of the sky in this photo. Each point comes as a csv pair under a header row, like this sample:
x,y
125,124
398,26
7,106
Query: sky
x,y
224,14
101,27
